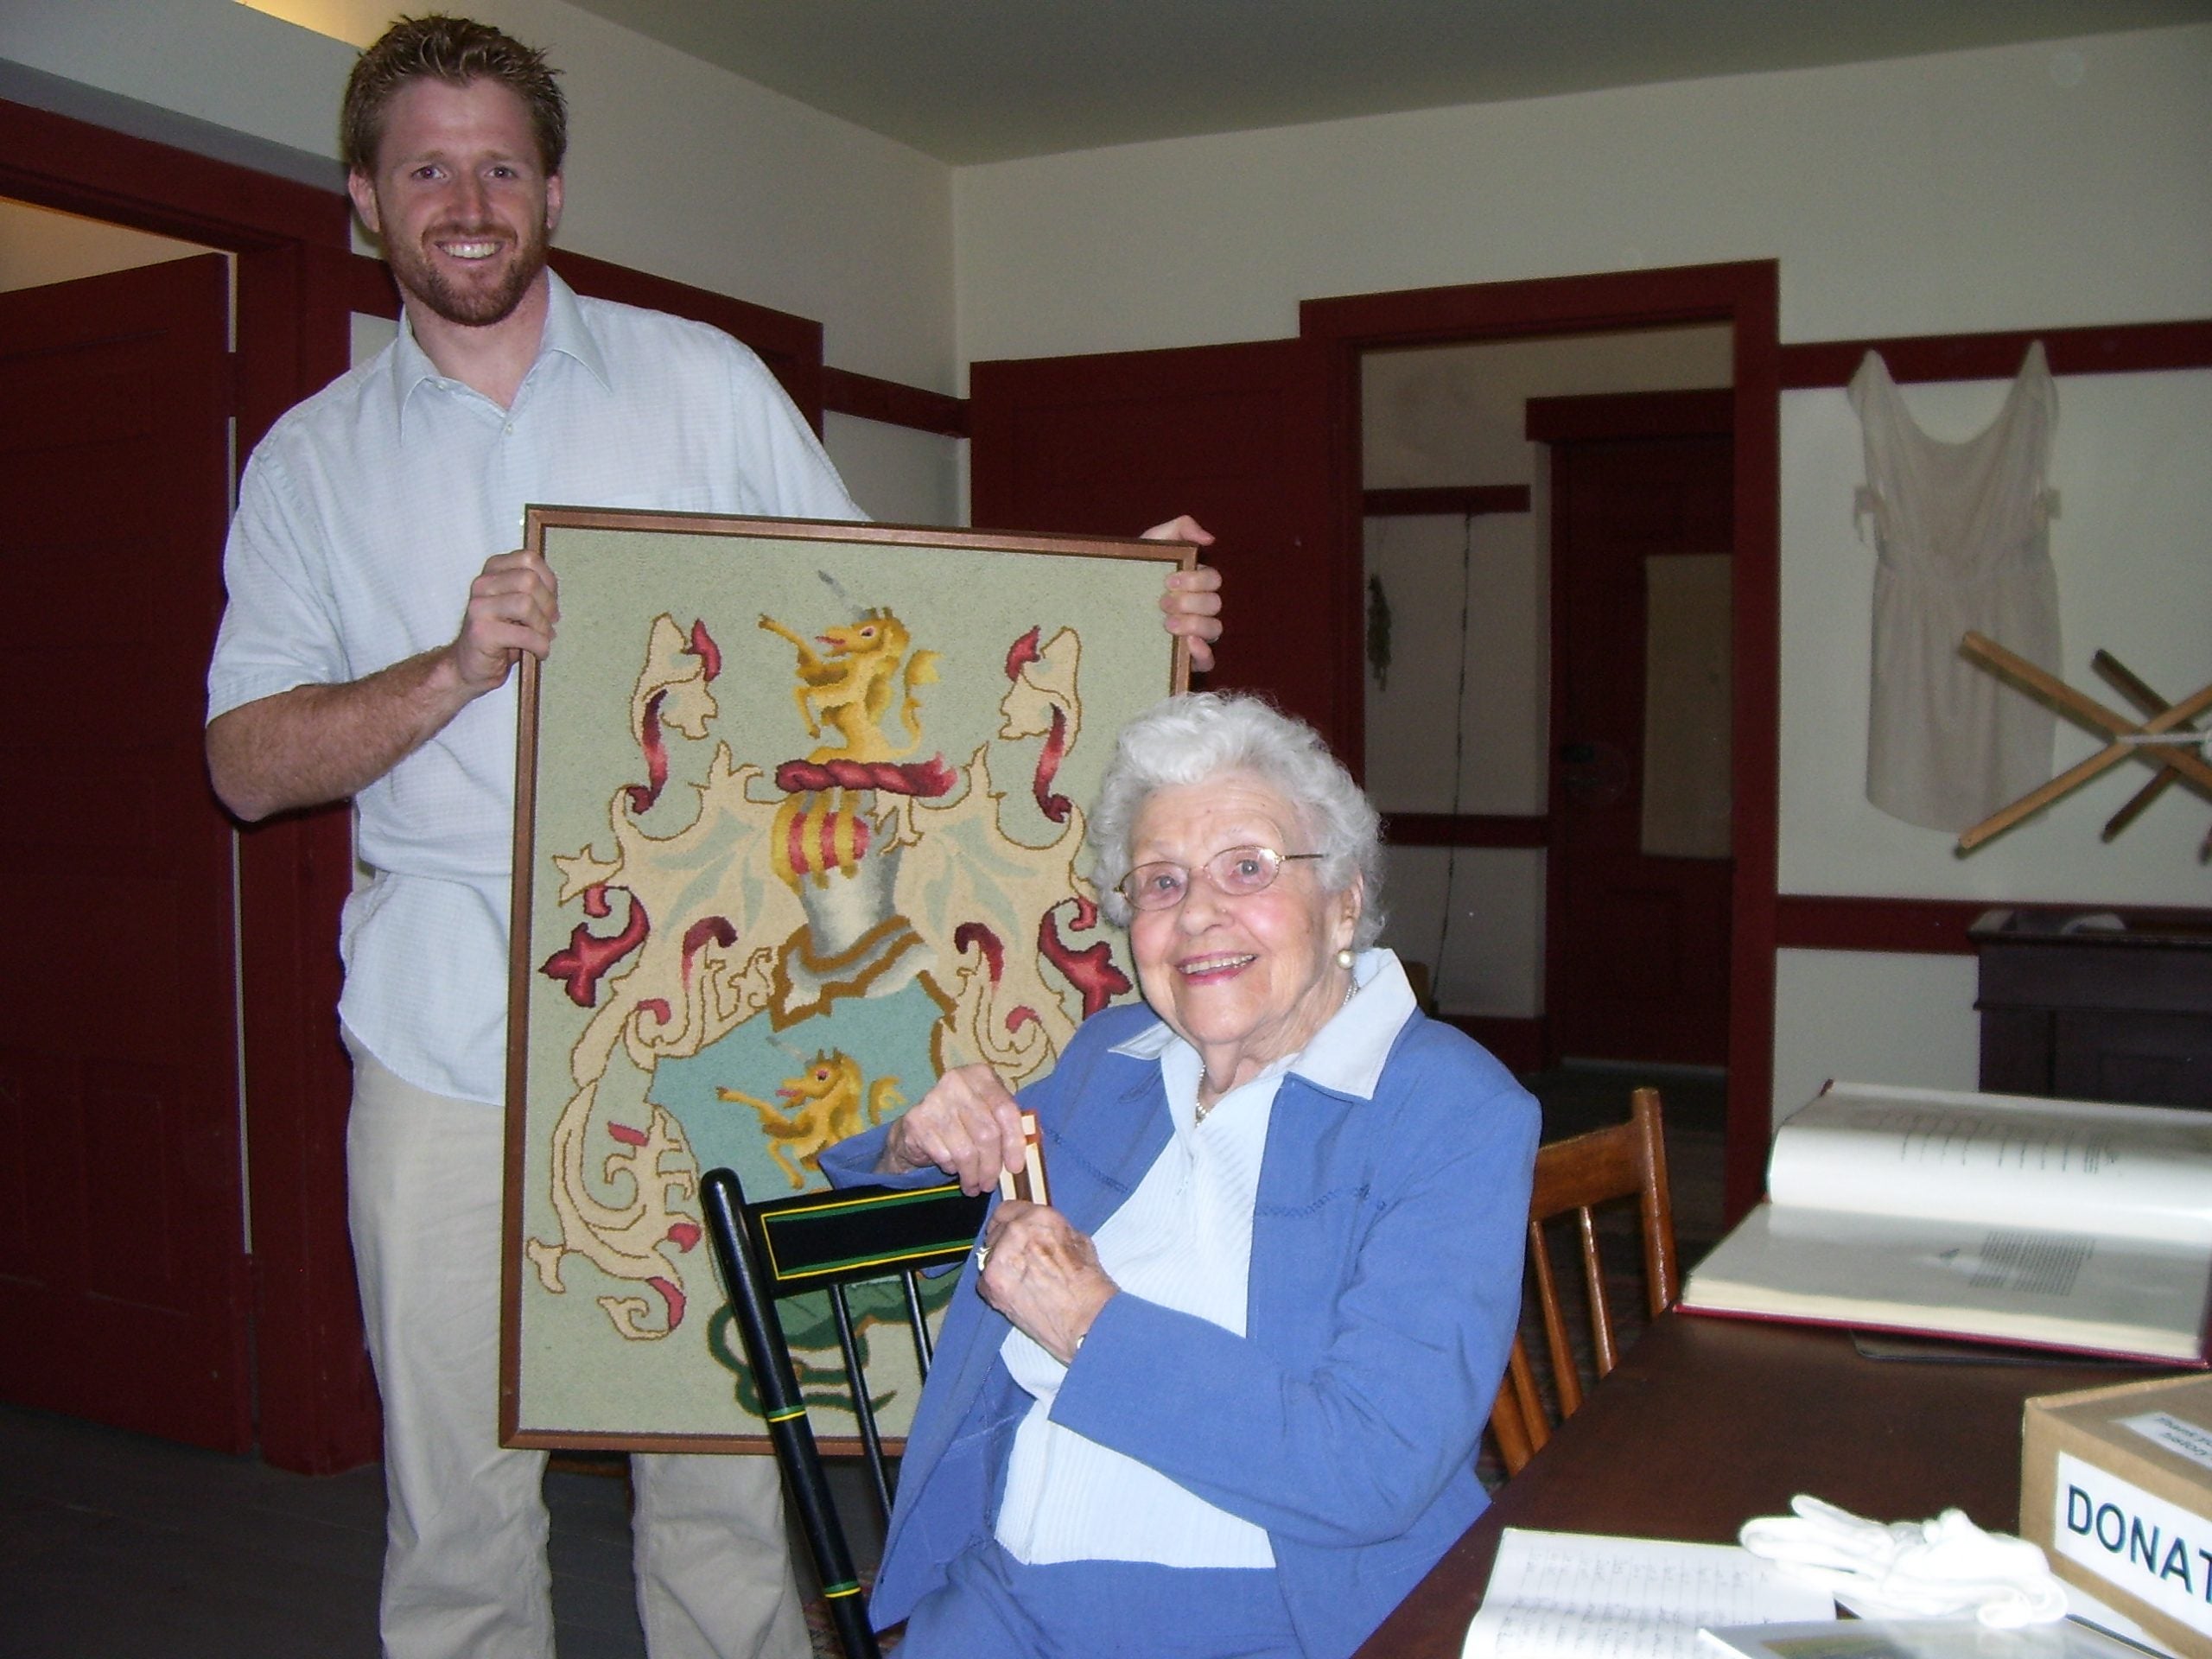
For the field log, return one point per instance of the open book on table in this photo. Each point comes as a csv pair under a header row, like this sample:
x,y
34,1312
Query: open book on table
x,y
1573,1595
1919,1639
2055,1223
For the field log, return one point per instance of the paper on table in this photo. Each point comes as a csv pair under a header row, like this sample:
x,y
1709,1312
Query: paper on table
x,y
1917,1638
1569,1595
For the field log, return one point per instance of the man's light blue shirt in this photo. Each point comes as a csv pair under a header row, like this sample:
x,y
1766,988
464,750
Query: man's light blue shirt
x,y
362,519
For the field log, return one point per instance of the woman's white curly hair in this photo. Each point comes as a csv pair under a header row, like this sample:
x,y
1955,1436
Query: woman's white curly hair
x,y
1203,735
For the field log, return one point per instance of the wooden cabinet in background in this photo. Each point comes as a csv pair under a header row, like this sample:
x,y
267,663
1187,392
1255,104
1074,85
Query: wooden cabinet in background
x,y
2097,1005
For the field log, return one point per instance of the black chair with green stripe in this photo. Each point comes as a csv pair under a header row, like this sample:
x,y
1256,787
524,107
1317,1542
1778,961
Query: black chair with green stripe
x,y
824,1242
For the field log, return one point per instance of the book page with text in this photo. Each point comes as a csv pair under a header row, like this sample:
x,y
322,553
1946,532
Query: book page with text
x,y
2073,1290
2120,1172
1566,1595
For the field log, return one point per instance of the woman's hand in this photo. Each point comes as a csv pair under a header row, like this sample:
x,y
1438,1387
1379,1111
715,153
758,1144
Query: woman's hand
x,y
968,1126
1044,1275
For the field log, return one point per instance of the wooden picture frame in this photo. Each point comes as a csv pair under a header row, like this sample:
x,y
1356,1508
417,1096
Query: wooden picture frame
x,y
800,811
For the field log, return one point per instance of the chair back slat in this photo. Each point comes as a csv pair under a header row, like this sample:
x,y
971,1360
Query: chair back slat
x,y
878,1466
863,1232
1593,1288
918,1321
1575,1177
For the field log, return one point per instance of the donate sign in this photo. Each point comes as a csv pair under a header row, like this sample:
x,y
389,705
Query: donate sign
x,y
2156,1551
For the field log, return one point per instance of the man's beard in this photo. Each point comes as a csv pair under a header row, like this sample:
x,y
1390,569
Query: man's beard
x,y
421,276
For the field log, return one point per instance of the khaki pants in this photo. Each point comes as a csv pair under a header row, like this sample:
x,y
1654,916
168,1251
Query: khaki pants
x,y
465,1571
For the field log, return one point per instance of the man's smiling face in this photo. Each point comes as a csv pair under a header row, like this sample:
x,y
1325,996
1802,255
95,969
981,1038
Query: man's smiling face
x,y
461,199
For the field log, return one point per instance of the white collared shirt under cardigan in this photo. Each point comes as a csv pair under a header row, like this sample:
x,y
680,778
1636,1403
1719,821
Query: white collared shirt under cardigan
x,y
1380,1295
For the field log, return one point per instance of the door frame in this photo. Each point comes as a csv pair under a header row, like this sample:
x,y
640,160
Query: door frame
x,y
315,1403
1745,294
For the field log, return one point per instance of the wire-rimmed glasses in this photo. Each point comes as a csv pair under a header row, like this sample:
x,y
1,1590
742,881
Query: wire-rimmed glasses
x,y
1237,871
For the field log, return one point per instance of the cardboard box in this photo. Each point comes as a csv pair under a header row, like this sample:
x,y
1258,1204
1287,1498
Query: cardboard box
x,y
2116,1485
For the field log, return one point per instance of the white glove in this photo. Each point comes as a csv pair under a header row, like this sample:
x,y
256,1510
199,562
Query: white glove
x,y
1911,1569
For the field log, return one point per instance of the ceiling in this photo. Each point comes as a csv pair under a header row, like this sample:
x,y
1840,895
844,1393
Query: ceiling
x,y
984,80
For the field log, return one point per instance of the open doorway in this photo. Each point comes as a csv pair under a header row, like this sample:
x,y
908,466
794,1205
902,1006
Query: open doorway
x,y
1739,300
1533,555
1547,530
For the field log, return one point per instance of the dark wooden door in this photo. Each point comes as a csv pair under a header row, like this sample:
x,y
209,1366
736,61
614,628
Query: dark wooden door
x,y
1237,436
123,1262
1636,947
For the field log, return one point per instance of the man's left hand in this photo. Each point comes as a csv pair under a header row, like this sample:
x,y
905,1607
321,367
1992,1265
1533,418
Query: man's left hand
x,y
1190,606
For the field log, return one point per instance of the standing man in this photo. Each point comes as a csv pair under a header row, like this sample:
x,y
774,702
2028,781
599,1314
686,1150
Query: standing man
x,y
371,516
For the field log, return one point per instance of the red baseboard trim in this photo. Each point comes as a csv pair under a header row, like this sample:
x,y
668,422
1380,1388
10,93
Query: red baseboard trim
x,y
2126,348
847,391
1920,926
1923,926
1465,829
1447,500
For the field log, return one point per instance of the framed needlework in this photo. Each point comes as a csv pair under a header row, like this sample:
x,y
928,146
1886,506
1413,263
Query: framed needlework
x,y
799,814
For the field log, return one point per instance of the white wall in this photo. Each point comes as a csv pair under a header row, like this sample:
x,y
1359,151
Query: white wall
x,y
2013,188
2021,188
674,168
1911,1036
1476,914
2133,553
38,246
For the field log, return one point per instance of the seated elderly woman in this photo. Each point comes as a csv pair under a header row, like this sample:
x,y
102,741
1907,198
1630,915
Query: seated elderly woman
x,y
1223,1395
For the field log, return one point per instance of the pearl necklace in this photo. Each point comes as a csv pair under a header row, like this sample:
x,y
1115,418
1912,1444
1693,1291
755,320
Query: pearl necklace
x,y
1205,1078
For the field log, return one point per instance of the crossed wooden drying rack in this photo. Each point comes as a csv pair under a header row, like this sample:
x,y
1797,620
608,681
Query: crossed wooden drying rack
x,y
2183,760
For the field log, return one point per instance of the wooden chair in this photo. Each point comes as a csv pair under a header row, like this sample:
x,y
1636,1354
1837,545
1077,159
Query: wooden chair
x,y
1577,1175
825,1240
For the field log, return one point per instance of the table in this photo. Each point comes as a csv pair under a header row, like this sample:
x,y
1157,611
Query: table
x,y
1707,1422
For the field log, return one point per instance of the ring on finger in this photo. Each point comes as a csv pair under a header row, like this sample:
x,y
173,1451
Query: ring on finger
x,y
982,1257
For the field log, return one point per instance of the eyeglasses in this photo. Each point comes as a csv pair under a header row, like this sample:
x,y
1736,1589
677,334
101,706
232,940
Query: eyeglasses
x,y
1237,871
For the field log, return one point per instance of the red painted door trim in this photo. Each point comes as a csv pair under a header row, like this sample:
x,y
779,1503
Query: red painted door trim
x,y
1745,294
316,1413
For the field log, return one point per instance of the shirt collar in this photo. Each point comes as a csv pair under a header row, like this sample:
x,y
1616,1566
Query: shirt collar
x,y
566,331
1348,1054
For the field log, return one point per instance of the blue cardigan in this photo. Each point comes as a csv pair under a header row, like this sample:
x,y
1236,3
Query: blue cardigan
x,y
1387,1243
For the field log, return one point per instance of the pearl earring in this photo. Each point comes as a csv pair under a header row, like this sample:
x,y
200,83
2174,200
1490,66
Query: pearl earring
x,y
1344,957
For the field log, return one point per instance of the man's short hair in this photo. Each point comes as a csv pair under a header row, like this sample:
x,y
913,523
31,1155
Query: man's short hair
x,y
456,51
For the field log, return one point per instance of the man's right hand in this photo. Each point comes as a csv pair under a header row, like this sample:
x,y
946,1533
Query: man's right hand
x,y
318,743
513,606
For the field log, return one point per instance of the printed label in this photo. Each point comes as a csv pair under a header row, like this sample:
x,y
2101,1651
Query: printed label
x,y
2156,1551
2177,1434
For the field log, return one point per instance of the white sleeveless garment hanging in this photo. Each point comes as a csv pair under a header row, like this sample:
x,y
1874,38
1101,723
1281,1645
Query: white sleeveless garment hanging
x,y
1962,535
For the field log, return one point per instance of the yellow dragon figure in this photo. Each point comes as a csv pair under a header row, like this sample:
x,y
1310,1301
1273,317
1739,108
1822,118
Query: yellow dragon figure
x,y
850,685
824,1106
